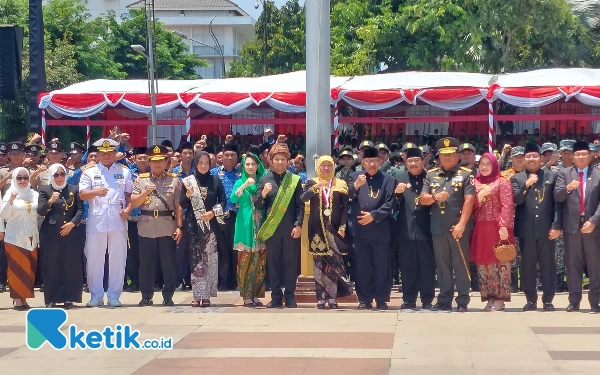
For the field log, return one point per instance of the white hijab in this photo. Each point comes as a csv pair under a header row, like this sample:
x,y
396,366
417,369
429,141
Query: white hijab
x,y
23,193
52,170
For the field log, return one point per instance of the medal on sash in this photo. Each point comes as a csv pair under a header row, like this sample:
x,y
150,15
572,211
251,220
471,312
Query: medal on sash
x,y
327,198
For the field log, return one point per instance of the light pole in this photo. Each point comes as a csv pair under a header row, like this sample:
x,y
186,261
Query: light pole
x,y
184,36
141,50
265,21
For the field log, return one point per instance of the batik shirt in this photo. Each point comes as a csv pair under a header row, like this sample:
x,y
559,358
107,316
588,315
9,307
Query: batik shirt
x,y
228,179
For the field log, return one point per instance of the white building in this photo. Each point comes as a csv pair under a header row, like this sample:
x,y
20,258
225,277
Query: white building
x,y
232,26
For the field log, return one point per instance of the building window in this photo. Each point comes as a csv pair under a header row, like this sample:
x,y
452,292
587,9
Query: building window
x,y
207,51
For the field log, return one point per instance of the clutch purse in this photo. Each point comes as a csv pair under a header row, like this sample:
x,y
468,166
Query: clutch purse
x,y
505,252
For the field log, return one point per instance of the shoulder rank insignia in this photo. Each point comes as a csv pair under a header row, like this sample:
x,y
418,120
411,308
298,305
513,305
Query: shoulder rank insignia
x,y
171,174
144,175
466,169
88,165
432,170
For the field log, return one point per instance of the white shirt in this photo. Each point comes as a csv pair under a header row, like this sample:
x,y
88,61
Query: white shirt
x,y
103,213
21,222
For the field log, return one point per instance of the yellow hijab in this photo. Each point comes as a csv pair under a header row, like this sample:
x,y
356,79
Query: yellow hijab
x,y
338,184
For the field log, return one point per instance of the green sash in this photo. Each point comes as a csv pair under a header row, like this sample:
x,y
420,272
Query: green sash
x,y
282,199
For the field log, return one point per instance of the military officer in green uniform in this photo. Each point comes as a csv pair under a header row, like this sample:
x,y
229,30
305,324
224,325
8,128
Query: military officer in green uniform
x,y
387,167
159,226
346,161
450,192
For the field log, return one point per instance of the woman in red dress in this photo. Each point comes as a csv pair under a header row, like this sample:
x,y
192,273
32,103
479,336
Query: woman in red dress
x,y
494,222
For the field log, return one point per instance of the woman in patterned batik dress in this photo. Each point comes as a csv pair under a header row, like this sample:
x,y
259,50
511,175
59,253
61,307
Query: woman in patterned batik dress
x,y
328,198
251,251
201,239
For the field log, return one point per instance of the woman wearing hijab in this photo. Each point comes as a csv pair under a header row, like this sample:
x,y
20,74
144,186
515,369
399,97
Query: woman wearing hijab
x,y
251,251
21,237
493,219
62,269
329,202
202,198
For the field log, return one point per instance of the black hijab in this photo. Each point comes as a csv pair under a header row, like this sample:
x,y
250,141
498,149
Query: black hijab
x,y
201,177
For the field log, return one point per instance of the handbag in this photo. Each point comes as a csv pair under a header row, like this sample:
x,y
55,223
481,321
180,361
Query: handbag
x,y
505,252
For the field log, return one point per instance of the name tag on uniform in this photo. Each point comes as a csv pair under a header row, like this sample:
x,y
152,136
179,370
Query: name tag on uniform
x,y
457,179
119,176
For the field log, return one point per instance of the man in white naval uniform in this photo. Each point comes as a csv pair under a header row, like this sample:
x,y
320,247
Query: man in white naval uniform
x,y
107,186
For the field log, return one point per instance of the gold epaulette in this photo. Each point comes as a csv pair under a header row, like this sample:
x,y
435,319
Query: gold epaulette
x,y
123,165
466,169
144,175
88,165
432,170
172,174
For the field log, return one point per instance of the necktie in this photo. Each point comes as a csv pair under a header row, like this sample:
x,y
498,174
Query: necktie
x,y
581,197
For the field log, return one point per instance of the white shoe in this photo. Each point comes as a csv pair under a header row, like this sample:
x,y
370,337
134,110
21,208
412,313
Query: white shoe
x,y
95,303
114,302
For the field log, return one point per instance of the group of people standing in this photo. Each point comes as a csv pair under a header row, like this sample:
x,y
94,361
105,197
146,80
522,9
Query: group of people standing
x,y
238,224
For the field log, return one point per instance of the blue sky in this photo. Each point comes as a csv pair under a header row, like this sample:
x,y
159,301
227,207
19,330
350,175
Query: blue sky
x,y
248,6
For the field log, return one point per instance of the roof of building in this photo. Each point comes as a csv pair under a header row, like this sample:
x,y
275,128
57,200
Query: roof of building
x,y
187,4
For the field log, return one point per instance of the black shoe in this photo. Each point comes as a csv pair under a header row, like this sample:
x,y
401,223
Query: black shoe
x,y
274,305
530,306
596,309
382,306
168,302
41,289
68,305
441,307
462,308
145,302
572,307
321,305
290,303
427,306
2,288
408,305
51,305
549,307
365,306
86,289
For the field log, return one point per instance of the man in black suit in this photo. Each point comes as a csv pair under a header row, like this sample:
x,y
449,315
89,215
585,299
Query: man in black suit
x,y
578,187
537,225
372,195
417,262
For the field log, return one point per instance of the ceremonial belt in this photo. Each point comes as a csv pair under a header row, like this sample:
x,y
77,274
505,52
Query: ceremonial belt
x,y
163,201
157,213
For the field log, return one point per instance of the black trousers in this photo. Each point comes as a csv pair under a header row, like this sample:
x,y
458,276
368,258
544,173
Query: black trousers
x,y
227,256
132,267
151,249
183,262
3,264
532,252
582,249
373,270
282,260
451,268
417,264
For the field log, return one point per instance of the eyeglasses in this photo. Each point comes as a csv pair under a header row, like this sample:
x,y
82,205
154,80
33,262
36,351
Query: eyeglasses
x,y
22,178
59,175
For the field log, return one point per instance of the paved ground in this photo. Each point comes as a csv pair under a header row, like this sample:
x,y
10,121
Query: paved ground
x,y
229,339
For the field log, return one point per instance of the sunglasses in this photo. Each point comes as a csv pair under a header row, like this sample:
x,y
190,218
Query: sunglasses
x,y
22,178
59,175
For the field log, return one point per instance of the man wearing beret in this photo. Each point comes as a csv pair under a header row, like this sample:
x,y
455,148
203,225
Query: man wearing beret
x,y
550,156
417,261
229,173
578,188
450,192
537,225
372,195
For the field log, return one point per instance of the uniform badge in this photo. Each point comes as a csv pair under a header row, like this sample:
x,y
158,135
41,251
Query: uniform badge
x,y
119,176
472,179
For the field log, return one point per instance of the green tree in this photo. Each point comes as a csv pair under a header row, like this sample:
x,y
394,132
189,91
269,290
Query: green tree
x,y
173,60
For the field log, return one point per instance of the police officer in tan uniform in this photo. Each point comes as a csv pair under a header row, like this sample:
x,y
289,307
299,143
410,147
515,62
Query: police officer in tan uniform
x,y
159,226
